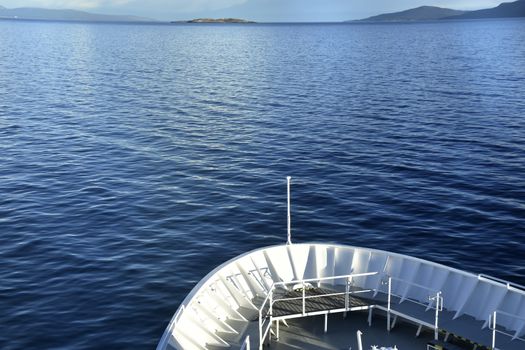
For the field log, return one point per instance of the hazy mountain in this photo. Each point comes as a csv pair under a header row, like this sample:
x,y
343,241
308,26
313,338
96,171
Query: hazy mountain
x,y
417,14
507,9
64,15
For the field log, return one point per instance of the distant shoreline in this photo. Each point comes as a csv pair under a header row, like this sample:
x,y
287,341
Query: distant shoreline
x,y
515,9
346,23
215,20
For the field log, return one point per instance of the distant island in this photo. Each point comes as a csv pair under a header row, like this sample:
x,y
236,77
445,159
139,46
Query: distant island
x,y
215,20
427,13
34,13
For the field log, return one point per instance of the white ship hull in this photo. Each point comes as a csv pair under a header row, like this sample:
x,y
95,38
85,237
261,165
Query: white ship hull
x,y
248,301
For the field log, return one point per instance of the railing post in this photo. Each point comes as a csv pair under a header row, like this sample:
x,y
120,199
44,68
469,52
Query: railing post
x,y
247,342
271,316
359,340
494,330
304,299
271,303
347,293
260,330
389,300
436,323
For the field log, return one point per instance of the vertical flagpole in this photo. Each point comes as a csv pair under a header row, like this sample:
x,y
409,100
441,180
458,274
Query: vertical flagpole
x,y
289,241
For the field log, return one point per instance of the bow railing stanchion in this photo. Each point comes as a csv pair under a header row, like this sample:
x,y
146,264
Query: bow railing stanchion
x,y
271,314
271,303
436,321
439,307
389,303
304,299
493,330
347,292
260,329
504,318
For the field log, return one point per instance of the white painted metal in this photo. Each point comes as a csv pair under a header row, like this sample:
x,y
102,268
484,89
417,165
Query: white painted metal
x,y
494,330
279,263
467,294
246,343
304,299
439,307
266,318
493,325
328,269
510,285
342,257
299,255
389,303
377,263
359,340
230,291
419,330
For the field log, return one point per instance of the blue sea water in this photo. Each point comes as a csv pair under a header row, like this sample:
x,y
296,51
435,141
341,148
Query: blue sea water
x,y
136,158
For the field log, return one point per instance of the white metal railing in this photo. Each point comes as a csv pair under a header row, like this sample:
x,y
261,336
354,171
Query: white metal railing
x,y
510,285
266,317
439,307
493,326
263,330
409,284
434,297
245,289
246,343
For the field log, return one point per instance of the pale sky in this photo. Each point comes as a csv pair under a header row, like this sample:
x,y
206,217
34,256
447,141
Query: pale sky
x,y
257,10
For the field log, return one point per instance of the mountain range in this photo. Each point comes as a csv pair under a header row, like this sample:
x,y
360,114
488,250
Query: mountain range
x,y
425,13
33,13
416,14
506,9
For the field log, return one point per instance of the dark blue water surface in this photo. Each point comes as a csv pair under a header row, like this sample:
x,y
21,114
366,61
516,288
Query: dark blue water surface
x,y
136,158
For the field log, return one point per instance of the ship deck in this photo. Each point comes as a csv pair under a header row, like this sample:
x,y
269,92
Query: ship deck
x,y
316,296
290,308
308,333
411,324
